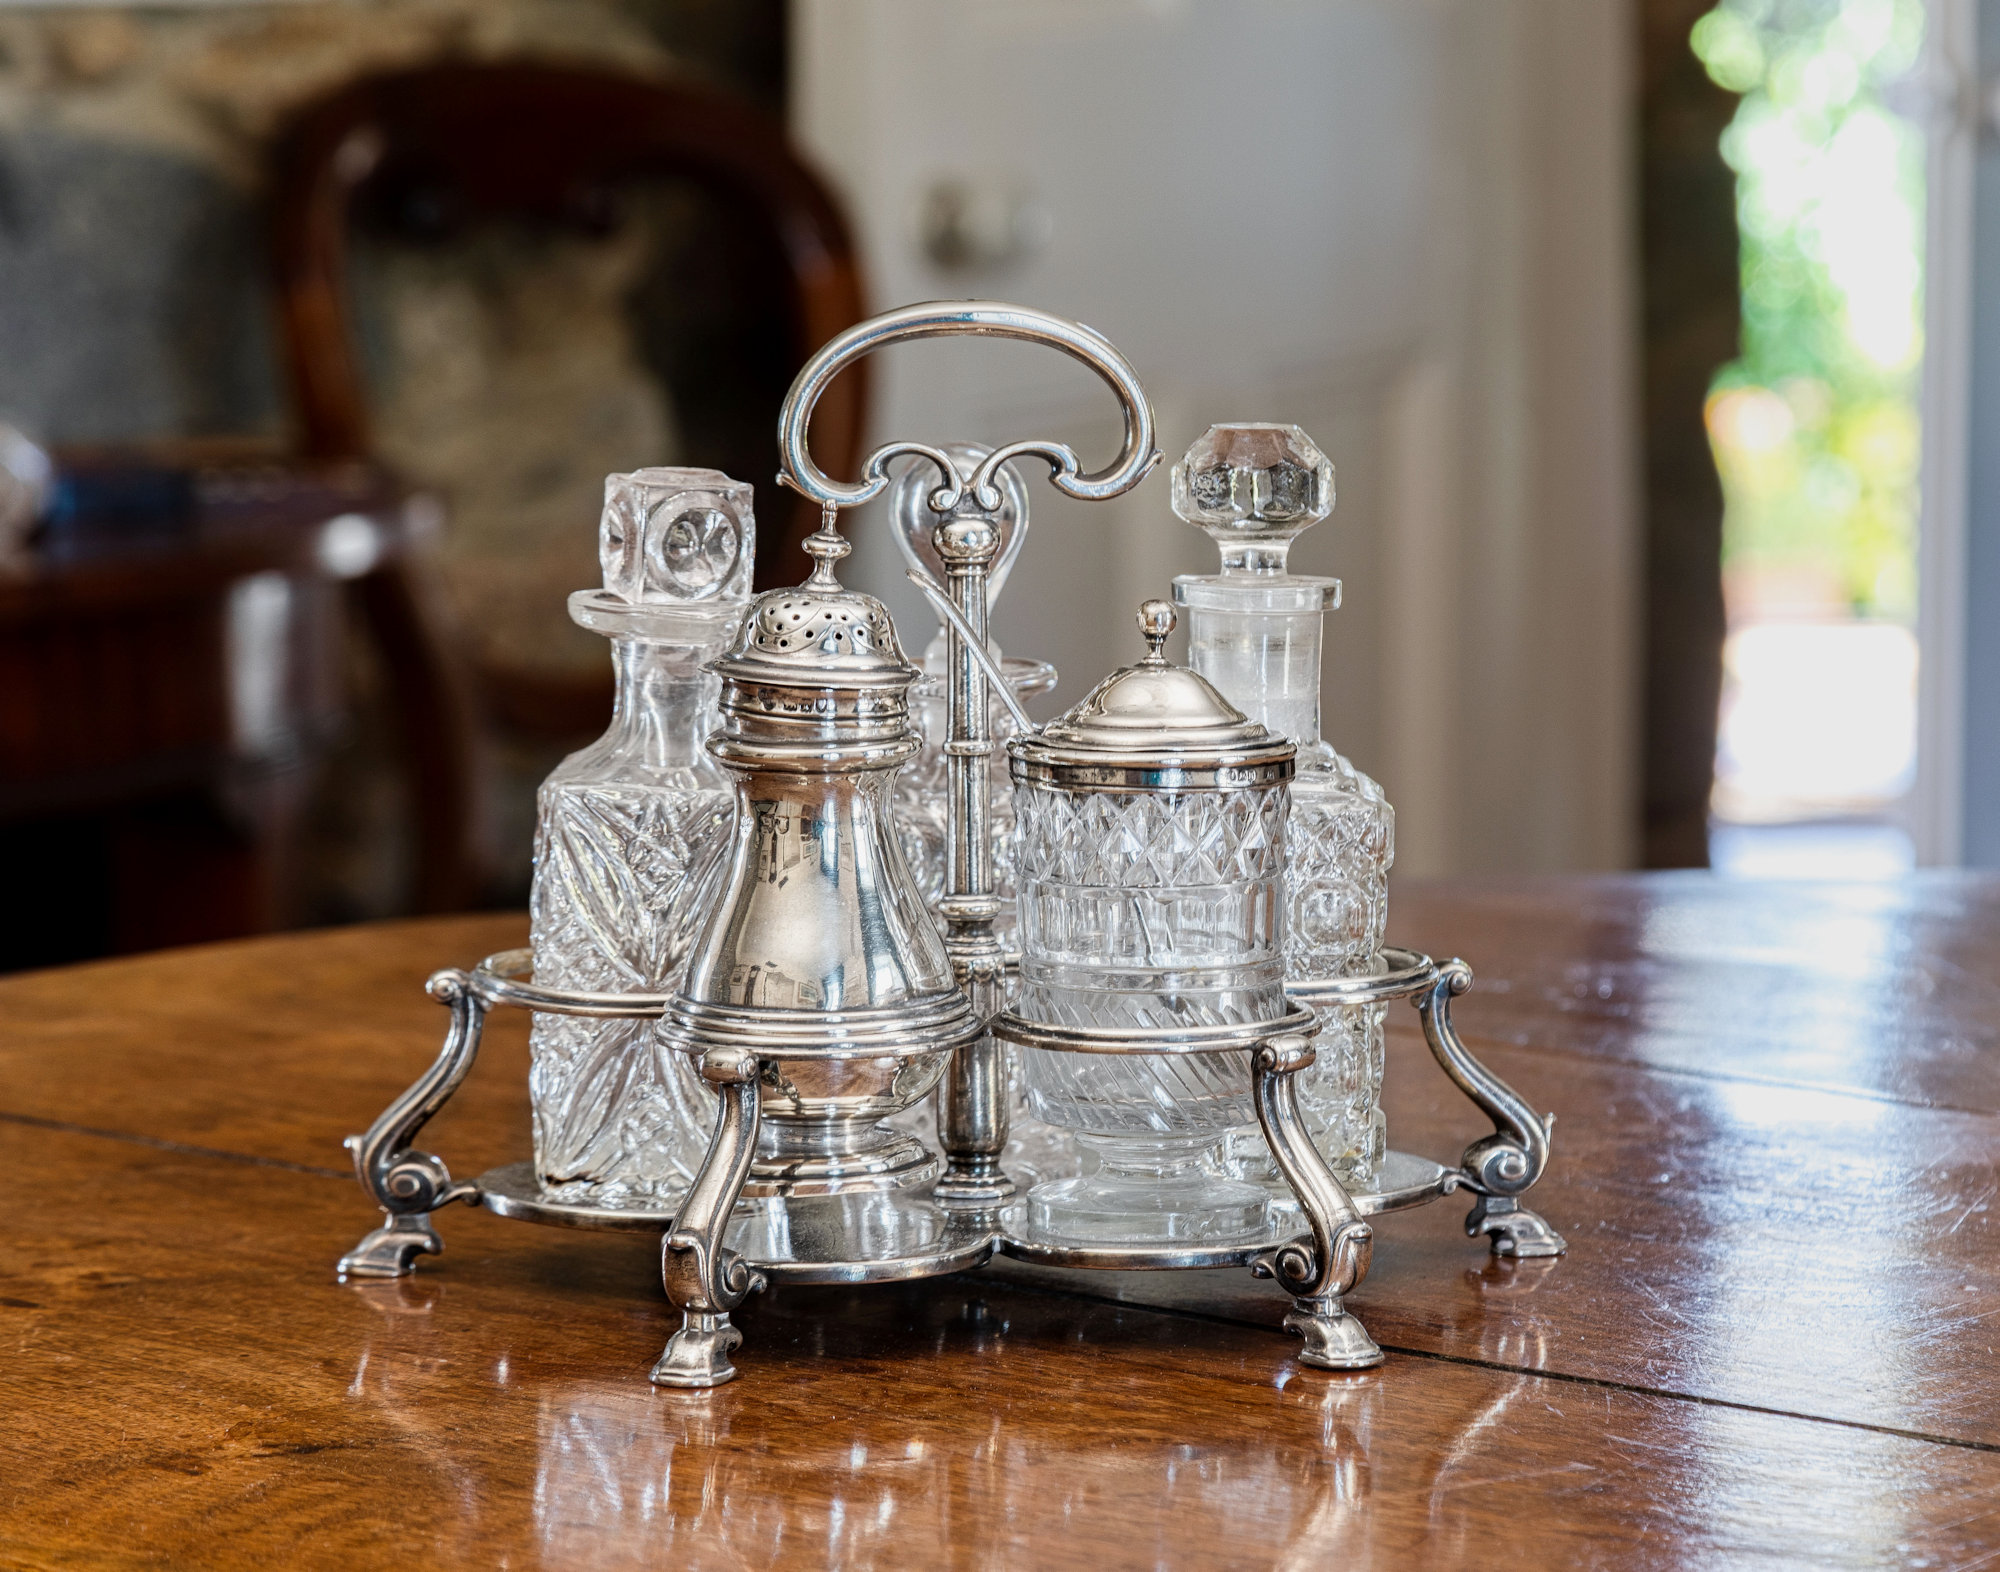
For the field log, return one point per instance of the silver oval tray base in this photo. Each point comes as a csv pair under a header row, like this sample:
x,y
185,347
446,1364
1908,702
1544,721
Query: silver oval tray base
x,y
882,1237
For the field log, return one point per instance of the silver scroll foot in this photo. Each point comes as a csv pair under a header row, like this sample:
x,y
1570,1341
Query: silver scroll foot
x,y
1501,1167
392,1249
704,1281
1515,1230
1334,1339
1320,1270
698,1354
408,1184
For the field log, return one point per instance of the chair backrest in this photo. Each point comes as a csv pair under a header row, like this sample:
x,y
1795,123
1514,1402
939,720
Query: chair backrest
x,y
551,143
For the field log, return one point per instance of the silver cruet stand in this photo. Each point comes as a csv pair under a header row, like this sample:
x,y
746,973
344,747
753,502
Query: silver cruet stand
x,y
832,1196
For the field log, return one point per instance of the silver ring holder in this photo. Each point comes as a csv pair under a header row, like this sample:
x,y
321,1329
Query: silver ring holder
x,y
719,1247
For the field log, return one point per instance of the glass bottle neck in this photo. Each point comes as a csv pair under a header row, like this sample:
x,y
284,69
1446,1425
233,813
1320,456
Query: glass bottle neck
x,y
1259,645
664,703
1264,663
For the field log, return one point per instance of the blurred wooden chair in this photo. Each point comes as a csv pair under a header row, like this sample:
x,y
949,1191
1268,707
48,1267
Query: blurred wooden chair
x,y
171,691
446,146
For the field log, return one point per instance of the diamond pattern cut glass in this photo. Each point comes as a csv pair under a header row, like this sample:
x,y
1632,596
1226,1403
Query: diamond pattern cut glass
x,y
1151,874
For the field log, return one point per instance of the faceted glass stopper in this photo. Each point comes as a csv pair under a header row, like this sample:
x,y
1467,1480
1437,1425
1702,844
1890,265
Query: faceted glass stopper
x,y
677,535
1255,489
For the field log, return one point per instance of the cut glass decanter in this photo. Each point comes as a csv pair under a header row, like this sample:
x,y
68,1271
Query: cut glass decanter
x,y
629,840
1254,631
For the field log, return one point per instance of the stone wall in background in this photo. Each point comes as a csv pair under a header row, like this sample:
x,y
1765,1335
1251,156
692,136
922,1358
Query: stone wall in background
x,y
132,295
509,371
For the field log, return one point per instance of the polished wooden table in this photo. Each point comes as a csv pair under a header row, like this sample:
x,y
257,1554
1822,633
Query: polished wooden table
x,y
1772,1340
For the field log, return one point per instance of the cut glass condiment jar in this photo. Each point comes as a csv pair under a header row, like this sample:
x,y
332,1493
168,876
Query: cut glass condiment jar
x,y
1151,869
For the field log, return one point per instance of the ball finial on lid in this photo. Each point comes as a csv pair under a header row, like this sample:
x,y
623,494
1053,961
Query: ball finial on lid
x,y
1156,622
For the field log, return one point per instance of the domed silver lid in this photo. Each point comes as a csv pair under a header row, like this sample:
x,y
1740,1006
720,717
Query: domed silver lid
x,y
1153,726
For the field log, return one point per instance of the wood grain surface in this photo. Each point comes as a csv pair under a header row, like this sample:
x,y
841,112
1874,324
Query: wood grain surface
x,y
1771,1341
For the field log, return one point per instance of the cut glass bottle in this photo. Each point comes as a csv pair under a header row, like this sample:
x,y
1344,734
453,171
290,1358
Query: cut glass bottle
x,y
1254,631
630,836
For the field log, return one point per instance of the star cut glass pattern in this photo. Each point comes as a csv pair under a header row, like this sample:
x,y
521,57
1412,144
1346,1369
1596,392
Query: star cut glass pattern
x,y
629,840
1148,910
622,875
1151,909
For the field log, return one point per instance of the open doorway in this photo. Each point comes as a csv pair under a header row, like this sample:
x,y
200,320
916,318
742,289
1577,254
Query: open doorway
x,y
1815,430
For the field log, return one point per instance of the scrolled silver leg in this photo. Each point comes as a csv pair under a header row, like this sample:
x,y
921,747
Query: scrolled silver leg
x,y
698,1354
703,1279
1501,1167
409,1185
1320,1273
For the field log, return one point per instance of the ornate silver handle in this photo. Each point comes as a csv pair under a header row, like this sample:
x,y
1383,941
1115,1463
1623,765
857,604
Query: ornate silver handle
x,y
948,319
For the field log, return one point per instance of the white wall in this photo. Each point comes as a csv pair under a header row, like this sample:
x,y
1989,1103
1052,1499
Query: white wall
x,y
1402,224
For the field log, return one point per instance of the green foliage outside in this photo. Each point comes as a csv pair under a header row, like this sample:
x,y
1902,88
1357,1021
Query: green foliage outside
x,y
1815,427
